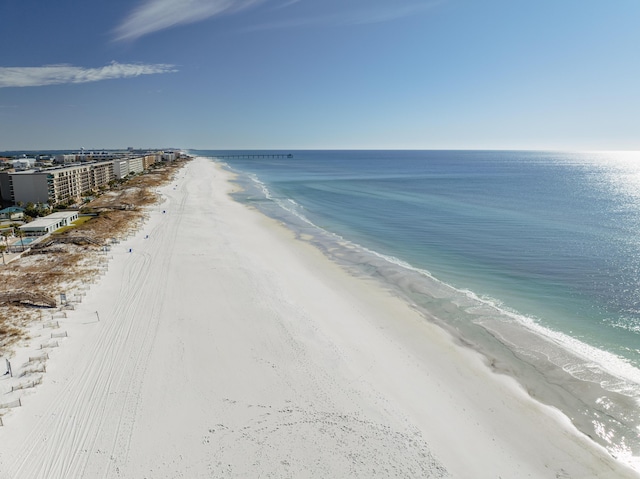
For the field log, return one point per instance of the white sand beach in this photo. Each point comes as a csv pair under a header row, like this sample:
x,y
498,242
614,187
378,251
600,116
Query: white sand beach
x,y
226,348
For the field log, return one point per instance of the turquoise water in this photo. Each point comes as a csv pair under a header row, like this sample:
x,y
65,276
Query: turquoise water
x,y
533,258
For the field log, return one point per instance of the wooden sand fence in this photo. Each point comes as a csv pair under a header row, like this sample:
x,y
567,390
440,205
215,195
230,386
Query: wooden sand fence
x,y
77,240
27,297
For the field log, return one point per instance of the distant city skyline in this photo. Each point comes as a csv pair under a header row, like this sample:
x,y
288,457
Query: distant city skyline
x,y
320,74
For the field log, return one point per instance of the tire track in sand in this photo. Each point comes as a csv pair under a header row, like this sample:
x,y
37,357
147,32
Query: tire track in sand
x,y
87,427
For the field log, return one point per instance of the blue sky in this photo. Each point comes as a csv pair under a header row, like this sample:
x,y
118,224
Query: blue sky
x,y
296,74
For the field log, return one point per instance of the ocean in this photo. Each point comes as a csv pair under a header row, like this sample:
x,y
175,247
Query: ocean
x,y
531,258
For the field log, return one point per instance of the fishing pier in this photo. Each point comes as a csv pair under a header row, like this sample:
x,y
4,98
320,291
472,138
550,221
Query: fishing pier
x,y
252,155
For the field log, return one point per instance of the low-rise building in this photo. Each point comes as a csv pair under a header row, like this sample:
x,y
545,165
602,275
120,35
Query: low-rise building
x,y
13,213
67,159
23,163
50,223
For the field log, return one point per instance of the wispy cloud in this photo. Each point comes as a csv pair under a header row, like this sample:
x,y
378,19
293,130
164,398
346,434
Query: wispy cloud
x,y
57,74
286,3
363,16
154,15
387,13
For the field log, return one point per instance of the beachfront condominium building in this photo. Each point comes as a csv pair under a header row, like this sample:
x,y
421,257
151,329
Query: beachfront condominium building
x,y
5,187
102,172
55,185
69,183
126,166
169,156
150,159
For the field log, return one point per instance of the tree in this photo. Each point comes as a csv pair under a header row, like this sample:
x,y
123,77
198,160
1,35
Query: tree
x,y
32,210
19,233
5,246
5,235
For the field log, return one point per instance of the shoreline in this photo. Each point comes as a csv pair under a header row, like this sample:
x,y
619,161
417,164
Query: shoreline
x,y
239,350
555,369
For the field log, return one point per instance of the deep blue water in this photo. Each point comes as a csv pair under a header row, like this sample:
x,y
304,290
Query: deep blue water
x,y
537,253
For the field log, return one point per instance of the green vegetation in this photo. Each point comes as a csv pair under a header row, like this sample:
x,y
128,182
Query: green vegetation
x,y
80,221
36,210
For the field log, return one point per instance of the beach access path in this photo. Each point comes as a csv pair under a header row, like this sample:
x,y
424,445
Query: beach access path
x,y
219,346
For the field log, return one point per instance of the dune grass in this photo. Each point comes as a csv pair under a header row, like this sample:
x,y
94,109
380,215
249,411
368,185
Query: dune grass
x,y
48,271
